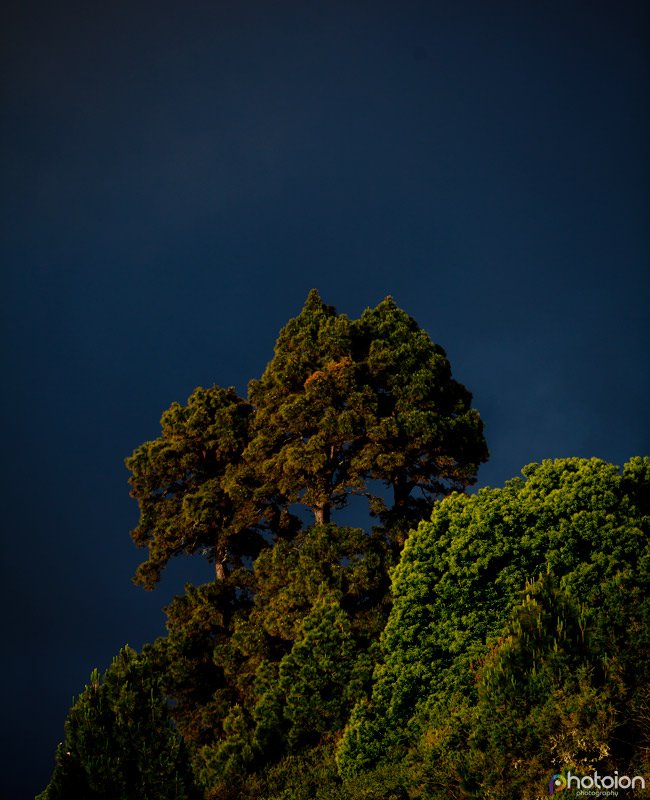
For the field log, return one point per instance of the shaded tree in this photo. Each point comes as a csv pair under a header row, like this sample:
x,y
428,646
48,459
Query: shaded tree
x,y
179,483
423,439
198,666
323,675
234,674
120,741
343,406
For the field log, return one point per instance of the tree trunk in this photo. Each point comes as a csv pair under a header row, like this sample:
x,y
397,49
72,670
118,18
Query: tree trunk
x,y
401,491
322,514
220,558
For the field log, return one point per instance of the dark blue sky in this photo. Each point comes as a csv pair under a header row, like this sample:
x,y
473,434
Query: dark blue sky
x,y
176,178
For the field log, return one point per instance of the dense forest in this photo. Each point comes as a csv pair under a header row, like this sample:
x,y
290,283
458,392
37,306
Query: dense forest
x,y
458,645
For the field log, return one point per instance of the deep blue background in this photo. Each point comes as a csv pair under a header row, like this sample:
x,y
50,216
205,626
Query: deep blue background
x,y
176,178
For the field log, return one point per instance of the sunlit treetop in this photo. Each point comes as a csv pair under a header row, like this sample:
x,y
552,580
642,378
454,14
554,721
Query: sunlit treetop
x,y
341,404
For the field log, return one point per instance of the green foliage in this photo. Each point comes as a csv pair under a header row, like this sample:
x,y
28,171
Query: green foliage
x,y
341,402
269,659
312,775
322,675
310,412
179,481
263,666
290,669
346,560
460,575
423,438
345,400
545,701
197,663
295,674
120,743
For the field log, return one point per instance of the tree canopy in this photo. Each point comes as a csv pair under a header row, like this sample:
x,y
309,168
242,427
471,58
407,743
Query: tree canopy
x,y
269,659
180,482
120,741
458,646
341,404
452,651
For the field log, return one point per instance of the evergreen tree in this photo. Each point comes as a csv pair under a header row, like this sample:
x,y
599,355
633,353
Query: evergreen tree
x,y
343,401
544,698
422,439
340,403
342,406
458,580
120,743
316,596
195,659
310,412
547,699
323,675
290,576
179,482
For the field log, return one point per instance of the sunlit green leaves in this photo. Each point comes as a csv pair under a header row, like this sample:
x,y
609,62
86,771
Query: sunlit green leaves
x,y
461,575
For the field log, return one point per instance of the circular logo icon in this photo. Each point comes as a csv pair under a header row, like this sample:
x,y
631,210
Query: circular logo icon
x,y
557,784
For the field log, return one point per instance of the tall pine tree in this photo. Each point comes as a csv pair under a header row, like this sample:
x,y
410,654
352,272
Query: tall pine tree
x,y
343,406
120,741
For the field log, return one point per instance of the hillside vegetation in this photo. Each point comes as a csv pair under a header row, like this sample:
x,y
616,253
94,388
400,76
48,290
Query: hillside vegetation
x,y
455,646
